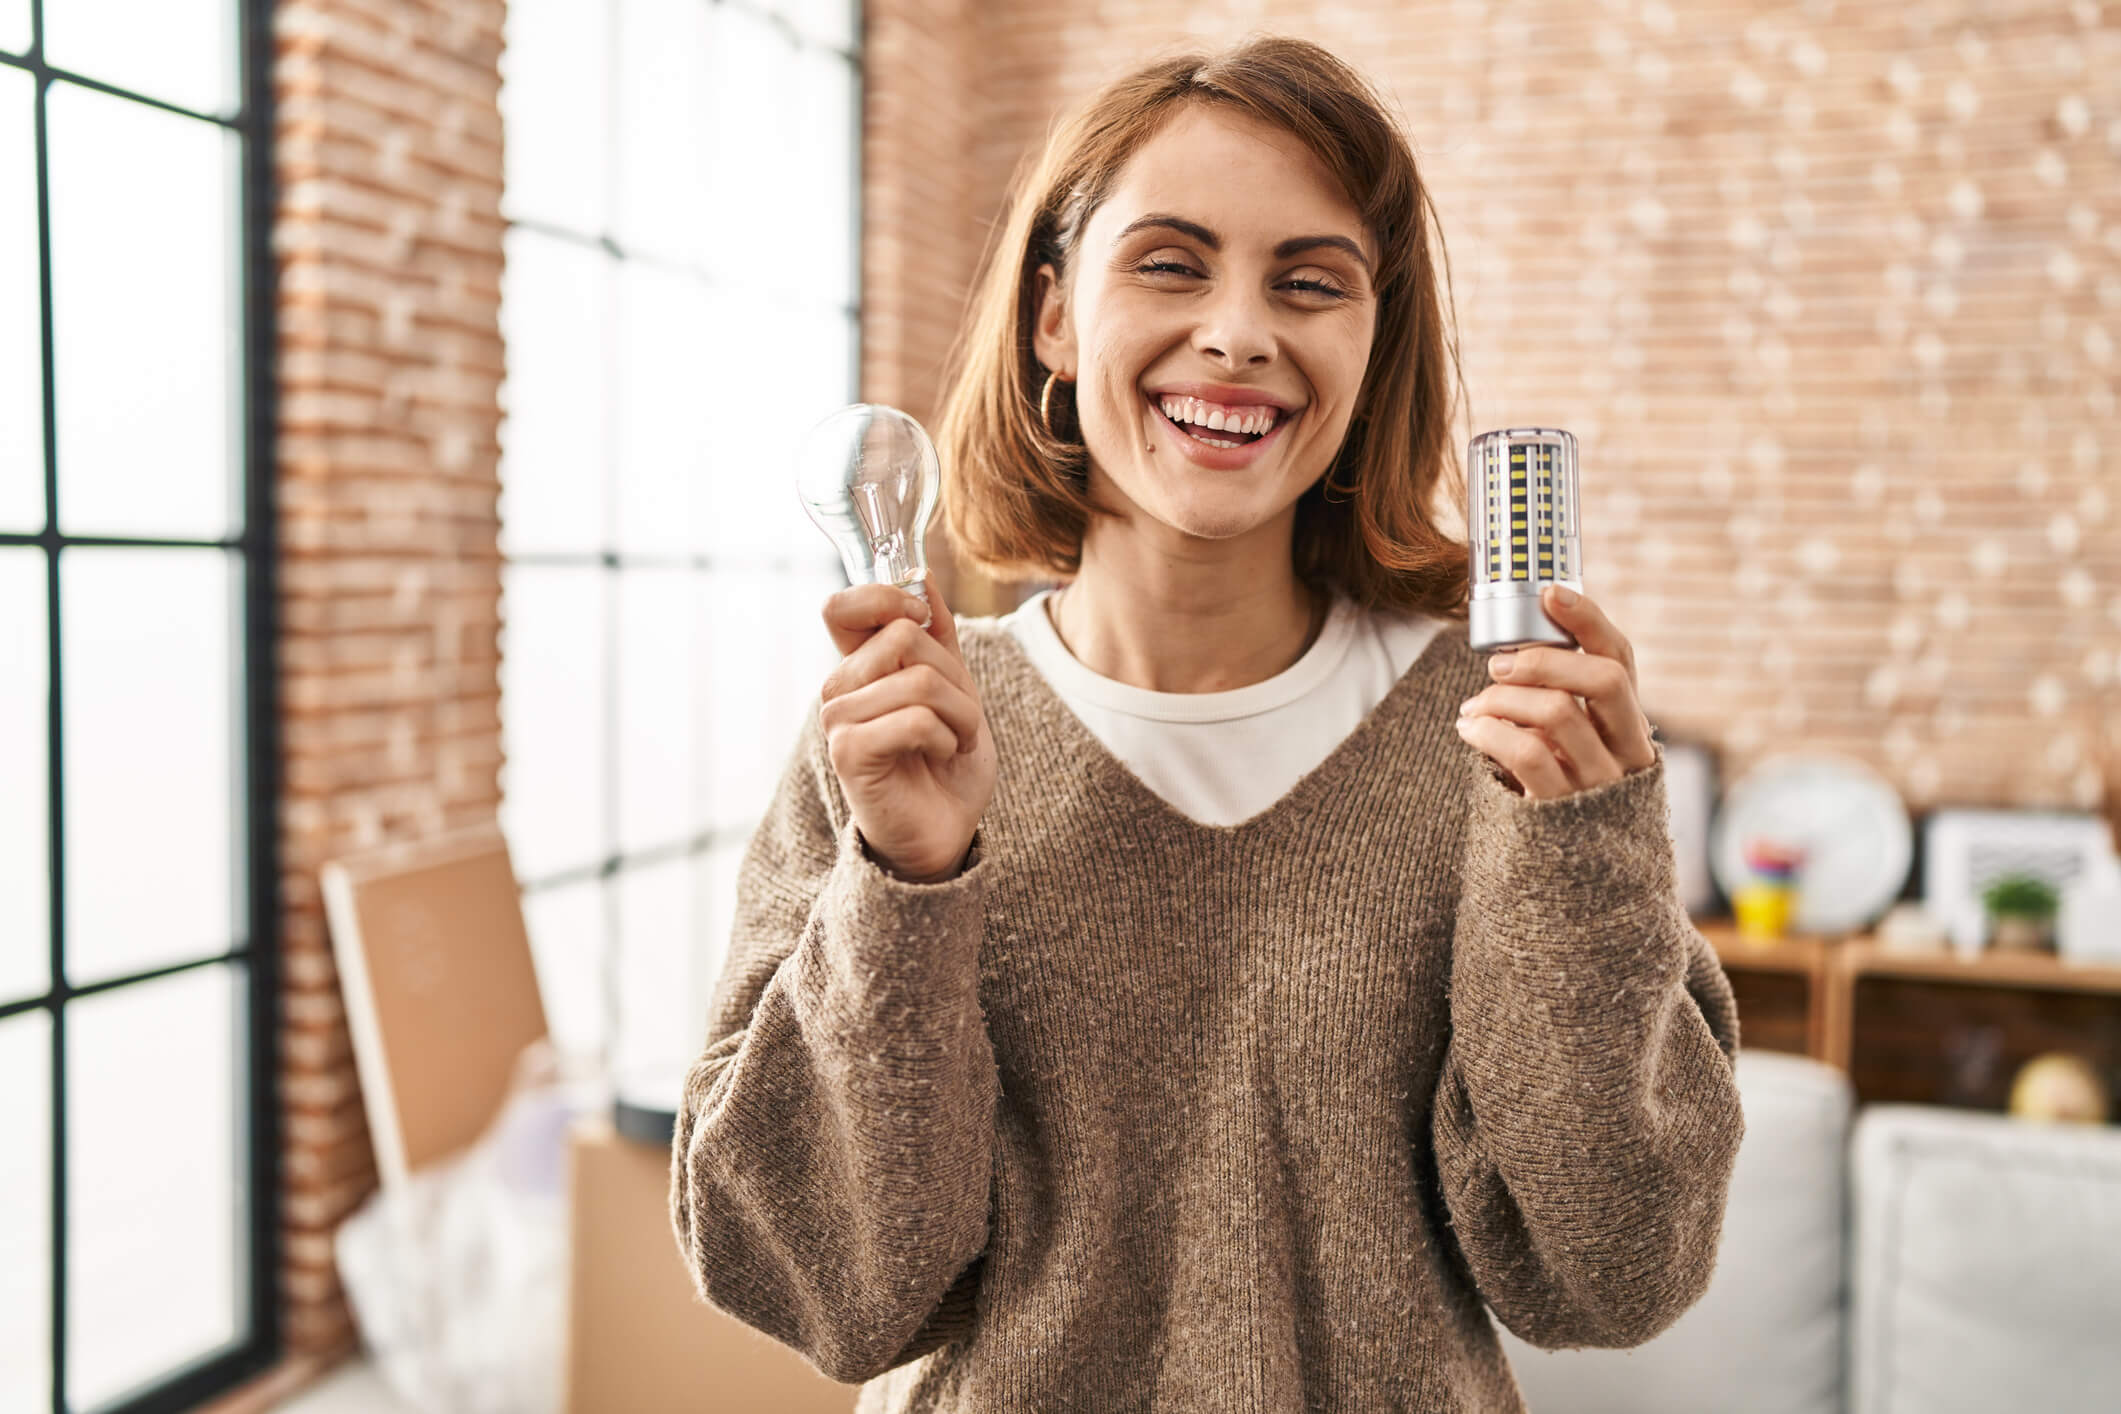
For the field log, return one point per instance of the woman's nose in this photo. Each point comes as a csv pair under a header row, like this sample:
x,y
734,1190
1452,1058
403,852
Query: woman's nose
x,y
1237,328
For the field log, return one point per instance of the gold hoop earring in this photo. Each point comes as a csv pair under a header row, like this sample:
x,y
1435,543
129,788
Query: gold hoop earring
x,y
1045,403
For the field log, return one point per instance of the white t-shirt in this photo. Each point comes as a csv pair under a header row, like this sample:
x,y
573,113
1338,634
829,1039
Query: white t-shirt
x,y
1222,757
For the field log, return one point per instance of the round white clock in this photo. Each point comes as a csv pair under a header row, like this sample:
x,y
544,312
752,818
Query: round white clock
x,y
1848,819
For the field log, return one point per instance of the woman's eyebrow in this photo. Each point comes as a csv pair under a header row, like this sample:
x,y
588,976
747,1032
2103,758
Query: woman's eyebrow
x,y
1295,245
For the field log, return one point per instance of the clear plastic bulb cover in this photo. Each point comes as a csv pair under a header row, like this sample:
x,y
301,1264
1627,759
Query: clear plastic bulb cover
x,y
868,476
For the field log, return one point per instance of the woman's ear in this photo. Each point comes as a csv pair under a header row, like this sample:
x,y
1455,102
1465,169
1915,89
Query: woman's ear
x,y
1052,332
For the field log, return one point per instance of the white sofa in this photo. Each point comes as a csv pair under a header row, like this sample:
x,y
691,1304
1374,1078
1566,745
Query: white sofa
x,y
1917,1260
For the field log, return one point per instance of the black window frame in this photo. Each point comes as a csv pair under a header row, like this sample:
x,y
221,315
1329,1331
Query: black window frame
x,y
256,545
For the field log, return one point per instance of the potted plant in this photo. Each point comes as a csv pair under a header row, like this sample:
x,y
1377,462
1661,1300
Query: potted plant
x,y
2021,910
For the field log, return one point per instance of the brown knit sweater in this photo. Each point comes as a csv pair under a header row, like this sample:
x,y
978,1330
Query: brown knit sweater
x,y
1139,1113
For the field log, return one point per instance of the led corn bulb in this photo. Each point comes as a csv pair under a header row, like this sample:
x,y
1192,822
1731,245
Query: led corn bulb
x,y
1521,485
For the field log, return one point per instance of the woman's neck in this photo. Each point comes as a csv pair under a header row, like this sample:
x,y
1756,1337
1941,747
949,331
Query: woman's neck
x,y
1170,647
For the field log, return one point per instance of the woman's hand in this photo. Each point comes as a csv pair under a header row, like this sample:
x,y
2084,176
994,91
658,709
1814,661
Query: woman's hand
x,y
1530,722
905,730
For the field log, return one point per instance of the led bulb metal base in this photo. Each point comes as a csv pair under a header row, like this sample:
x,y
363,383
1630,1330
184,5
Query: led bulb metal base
x,y
868,476
1523,527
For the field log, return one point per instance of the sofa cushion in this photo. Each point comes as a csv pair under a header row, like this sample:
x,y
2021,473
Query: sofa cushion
x,y
1767,1336
1987,1264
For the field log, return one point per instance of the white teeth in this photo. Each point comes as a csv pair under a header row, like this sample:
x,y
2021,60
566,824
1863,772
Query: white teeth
x,y
1208,417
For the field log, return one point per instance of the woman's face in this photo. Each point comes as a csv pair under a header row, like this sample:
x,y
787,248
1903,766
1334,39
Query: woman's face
x,y
1227,276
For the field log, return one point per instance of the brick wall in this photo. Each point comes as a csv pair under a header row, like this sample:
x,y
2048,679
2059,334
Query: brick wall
x,y
1830,294
388,234
920,110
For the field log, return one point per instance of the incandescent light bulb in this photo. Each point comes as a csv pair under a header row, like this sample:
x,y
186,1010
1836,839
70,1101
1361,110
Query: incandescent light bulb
x,y
868,475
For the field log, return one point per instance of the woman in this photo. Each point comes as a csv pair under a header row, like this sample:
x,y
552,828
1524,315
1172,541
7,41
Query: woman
x,y
1141,1000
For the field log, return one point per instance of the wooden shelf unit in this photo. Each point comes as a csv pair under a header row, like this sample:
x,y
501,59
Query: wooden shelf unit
x,y
2036,1001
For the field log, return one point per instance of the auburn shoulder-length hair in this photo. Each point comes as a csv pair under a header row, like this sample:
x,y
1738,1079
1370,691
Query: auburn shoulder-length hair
x,y
1015,497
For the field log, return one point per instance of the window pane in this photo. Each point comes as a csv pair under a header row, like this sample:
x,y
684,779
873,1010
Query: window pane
x,y
25,880
156,1179
745,398
566,926
555,441
820,109
553,720
748,181
763,391
180,51
555,102
662,429
654,707
661,204
25,1212
146,319
829,22
656,959
21,340
148,638
748,641
761,656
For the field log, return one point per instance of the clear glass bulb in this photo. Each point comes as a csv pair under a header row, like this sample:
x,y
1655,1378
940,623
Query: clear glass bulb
x,y
868,476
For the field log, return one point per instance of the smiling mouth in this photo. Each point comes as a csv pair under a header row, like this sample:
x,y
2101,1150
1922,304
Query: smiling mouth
x,y
1274,419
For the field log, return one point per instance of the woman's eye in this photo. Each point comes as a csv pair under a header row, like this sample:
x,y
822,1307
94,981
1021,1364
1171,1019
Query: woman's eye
x,y
1172,267
1318,286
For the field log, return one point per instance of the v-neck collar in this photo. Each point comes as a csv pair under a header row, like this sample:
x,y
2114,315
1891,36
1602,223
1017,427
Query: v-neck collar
x,y
1422,682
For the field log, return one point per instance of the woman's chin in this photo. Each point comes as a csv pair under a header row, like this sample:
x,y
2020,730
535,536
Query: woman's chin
x,y
1211,506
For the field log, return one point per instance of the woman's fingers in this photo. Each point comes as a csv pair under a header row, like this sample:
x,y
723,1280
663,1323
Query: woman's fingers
x,y
855,613
900,643
1555,716
899,733
920,686
1525,755
944,627
878,628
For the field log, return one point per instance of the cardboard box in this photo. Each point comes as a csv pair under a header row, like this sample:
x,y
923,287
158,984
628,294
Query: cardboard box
x,y
638,1340
441,993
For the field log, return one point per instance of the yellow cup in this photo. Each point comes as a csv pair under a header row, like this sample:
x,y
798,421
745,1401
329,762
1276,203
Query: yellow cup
x,y
1764,910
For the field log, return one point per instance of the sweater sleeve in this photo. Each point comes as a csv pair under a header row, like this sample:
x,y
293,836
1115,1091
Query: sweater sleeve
x,y
1586,1118
832,1160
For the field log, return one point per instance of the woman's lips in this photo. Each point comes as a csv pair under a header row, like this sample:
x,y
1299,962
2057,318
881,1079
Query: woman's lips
x,y
1221,458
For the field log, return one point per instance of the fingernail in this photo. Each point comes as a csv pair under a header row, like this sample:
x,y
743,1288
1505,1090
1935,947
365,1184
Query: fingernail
x,y
1500,663
1466,706
1563,595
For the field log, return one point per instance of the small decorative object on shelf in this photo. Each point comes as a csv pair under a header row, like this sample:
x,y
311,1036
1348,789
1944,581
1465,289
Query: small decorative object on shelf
x,y
1766,902
2060,1088
2021,910
1909,927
